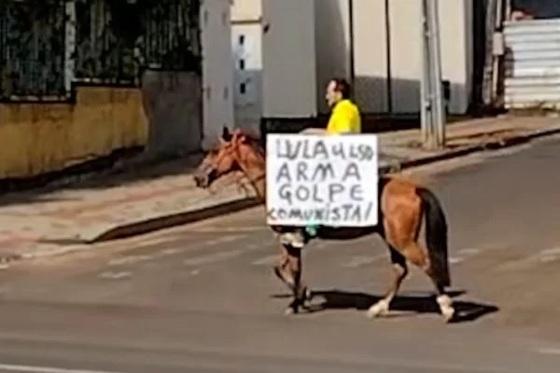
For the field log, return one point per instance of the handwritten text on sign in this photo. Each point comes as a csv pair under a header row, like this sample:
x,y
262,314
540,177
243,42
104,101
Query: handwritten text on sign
x,y
321,179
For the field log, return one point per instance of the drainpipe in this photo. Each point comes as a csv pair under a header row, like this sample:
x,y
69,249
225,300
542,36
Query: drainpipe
x,y
351,68
389,59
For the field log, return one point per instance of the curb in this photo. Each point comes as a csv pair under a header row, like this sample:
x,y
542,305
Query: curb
x,y
492,145
173,220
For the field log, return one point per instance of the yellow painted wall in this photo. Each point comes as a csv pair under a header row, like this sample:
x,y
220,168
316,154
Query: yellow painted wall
x,y
36,138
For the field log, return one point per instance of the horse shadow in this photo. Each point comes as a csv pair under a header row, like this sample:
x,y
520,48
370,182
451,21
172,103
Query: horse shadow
x,y
465,311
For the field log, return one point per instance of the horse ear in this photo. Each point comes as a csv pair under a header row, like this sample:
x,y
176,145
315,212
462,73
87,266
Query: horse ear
x,y
226,135
238,136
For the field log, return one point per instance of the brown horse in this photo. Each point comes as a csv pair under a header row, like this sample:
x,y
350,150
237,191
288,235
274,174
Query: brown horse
x,y
402,207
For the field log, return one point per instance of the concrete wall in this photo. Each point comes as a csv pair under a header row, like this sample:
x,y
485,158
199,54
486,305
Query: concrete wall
x,y
406,53
332,38
174,113
246,10
456,18
164,116
36,138
289,59
217,70
173,104
332,48
370,55
246,43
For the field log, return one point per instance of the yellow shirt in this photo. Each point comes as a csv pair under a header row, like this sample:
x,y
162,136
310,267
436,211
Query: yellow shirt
x,y
345,118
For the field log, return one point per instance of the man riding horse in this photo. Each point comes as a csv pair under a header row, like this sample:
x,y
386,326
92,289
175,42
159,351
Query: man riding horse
x,y
344,119
403,206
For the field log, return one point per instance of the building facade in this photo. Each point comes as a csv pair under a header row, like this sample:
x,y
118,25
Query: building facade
x,y
82,79
374,43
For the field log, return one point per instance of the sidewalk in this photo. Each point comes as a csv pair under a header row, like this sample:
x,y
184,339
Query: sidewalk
x,y
50,221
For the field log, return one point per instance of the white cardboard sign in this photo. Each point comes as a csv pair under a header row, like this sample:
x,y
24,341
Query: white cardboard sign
x,y
322,179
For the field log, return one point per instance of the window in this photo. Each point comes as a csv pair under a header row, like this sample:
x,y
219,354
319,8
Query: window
x,y
241,39
242,88
242,64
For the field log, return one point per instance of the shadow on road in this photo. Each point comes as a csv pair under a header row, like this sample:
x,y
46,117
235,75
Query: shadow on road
x,y
401,305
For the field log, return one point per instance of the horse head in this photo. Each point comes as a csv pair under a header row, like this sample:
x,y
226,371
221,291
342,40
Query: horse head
x,y
231,154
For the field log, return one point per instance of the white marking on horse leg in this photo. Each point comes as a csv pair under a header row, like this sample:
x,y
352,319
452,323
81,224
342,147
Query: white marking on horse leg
x,y
380,308
446,306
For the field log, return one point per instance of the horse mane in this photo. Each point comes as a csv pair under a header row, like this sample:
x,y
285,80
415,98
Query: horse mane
x,y
253,142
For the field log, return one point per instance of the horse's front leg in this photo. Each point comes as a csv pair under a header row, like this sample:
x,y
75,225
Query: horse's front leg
x,y
294,267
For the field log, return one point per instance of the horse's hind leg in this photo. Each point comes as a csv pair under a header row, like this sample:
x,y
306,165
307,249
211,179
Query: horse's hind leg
x,y
419,256
400,271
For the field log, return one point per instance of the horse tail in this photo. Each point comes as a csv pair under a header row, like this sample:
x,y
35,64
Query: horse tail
x,y
436,237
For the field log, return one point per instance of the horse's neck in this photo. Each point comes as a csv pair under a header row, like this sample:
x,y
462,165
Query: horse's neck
x,y
255,171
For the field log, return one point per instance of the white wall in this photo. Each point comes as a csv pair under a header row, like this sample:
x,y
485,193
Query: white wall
x,y
406,63
370,55
289,74
332,37
457,50
247,51
406,54
246,10
288,64
217,69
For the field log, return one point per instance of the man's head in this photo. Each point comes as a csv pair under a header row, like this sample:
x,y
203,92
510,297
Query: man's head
x,y
337,90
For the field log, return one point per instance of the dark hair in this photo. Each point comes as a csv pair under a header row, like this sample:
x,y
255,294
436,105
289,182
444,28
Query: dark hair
x,y
342,86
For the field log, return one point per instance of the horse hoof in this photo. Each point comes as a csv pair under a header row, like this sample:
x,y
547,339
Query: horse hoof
x,y
380,308
290,311
306,295
448,313
446,308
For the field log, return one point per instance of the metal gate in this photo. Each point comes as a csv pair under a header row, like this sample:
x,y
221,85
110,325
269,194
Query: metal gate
x,y
46,45
532,64
32,49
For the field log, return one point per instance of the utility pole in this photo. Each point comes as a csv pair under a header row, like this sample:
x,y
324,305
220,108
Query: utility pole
x,y
432,112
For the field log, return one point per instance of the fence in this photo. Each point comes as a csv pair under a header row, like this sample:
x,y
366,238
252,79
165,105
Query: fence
x,y
47,45
31,48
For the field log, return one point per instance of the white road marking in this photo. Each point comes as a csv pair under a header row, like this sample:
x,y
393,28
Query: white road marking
x,y
553,251
267,260
464,254
470,251
213,258
224,239
229,229
134,259
456,260
549,351
130,260
358,261
549,258
543,256
115,275
35,369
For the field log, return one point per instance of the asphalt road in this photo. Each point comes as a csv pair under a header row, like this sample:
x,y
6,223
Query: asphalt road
x,y
202,298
